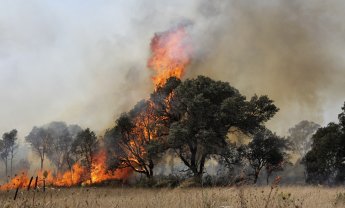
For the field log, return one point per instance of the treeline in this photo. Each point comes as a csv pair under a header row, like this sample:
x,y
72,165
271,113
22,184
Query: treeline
x,y
63,145
325,162
196,121
191,120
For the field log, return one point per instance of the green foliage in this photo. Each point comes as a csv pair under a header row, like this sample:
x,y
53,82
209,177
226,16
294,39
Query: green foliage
x,y
192,118
8,146
8,143
265,150
206,109
325,162
85,146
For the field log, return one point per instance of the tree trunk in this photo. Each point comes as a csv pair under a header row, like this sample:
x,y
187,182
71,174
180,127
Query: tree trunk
x,y
193,165
198,178
42,159
149,174
70,167
151,165
256,176
202,165
6,169
11,165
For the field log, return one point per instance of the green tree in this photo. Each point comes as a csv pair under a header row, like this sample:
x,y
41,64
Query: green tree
x,y
4,155
325,162
266,150
203,110
85,146
10,140
9,146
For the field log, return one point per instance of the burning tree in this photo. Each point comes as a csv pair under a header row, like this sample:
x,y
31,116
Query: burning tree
x,y
85,146
67,145
134,132
192,118
138,135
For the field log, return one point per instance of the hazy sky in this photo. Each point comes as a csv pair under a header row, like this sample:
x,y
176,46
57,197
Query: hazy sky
x,y
84,62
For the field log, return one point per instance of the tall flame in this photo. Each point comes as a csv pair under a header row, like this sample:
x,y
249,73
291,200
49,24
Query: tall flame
x,y
171,54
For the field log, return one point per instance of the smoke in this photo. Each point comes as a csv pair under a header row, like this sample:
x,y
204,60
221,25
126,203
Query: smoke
x,y
289,50
84,62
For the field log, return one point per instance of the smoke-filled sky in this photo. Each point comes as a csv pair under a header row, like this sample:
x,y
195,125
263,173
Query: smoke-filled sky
x,y
84,62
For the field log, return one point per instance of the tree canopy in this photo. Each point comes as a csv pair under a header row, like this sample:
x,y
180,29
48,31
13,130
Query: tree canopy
x,y
266,150
206,110
85,146
8,146
54,141
325,162
192,118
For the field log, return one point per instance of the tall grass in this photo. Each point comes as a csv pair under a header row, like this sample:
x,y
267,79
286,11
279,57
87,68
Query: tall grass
x,y
232,197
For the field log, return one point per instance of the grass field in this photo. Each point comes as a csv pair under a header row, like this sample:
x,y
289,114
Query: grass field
x,y
294,197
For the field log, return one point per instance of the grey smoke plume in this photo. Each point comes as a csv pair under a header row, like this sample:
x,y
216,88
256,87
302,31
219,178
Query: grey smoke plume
x,y
84,62
290,50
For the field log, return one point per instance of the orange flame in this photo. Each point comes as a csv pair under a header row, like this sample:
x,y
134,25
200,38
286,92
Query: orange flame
x,y
171,54
77,175
71,177
18,181
101,173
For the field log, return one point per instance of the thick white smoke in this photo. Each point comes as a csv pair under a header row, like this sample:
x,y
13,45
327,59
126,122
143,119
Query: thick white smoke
x,y
84,62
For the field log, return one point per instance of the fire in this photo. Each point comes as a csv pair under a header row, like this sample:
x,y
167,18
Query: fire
x,y
101,173
18,181
77,175
171,54
71,177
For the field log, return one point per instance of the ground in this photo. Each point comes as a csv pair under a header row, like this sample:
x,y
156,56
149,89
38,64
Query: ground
x,y
233,197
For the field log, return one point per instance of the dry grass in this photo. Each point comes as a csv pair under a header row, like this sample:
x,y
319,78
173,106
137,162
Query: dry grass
x,y
241,197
